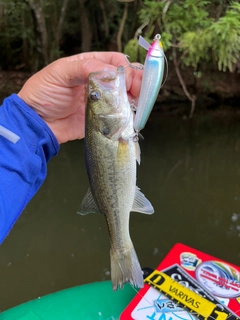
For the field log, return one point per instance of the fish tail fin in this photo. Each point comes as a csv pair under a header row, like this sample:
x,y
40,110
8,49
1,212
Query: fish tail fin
x,y
125,267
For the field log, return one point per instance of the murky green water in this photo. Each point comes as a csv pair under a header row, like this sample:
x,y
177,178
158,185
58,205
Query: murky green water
x,y
190,171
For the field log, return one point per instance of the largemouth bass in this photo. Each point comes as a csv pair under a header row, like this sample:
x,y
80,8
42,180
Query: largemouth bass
x,y
111,151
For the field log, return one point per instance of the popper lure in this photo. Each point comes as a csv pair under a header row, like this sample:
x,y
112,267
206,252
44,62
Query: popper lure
x,y
151,82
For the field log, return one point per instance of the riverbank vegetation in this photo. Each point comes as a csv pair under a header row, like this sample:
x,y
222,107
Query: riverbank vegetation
x,y
201,38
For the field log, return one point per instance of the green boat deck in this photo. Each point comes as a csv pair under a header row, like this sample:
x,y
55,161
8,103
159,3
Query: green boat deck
x,y
90,301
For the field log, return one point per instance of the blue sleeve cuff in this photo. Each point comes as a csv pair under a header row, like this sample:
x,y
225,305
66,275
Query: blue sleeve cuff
x,y
23,164
41,134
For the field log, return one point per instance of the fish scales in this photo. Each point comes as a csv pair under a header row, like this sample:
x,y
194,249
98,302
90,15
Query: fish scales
x,y
110,156
113,187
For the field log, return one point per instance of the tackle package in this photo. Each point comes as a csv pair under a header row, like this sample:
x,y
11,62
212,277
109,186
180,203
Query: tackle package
x,y
188,284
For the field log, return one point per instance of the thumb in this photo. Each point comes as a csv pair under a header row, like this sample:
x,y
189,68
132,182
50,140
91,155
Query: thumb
x,y
74,73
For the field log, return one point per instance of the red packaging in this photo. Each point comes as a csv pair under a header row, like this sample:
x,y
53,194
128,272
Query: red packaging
x,y
198,271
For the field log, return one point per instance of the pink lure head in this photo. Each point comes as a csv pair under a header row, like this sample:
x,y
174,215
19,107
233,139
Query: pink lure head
x,y
156,48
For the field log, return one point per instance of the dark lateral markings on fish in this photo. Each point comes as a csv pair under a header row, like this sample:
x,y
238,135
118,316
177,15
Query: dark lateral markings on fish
x,y
184,297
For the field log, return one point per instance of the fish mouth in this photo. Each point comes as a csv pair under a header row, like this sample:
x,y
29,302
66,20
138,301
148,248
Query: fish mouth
x,y
105,75
103,80
109,79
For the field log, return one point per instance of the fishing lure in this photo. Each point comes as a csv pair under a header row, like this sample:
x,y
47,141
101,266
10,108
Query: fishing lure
x,y
151,82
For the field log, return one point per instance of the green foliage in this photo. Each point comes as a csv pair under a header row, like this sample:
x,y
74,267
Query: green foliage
x,y
198,36
179,17
222,38
166,39
131,49
195,45
15,26
179,23
152,12
202,31
226,38
11,22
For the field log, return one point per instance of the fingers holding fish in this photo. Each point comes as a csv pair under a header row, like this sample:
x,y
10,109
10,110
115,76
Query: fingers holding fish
x,y
85,63
133,82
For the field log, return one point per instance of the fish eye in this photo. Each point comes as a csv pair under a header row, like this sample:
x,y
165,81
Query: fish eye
x,y
95,95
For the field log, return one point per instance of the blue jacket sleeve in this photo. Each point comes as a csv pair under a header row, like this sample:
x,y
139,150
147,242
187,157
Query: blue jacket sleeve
x,y
26,145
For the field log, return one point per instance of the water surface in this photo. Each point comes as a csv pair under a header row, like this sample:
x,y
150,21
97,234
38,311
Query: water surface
x,y
190,171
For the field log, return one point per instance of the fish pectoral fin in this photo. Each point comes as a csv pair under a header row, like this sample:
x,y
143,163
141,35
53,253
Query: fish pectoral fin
x,y
141,203
88,204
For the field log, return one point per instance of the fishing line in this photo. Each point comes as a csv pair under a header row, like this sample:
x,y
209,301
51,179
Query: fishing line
x,y
143,297
234,314
166,61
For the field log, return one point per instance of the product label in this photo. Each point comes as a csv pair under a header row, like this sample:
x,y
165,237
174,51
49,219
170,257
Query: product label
x,y
219,278
182,277
188,284
157,306
188,299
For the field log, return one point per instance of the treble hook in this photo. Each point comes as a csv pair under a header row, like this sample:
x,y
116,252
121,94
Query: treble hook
x,y
135,67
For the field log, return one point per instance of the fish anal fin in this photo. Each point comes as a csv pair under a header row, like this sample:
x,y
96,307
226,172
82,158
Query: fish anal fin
x,y
141,203
88,204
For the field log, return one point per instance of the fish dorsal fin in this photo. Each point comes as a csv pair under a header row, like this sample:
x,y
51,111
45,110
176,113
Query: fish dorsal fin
x,y
143,43
141,203
138,152
88,204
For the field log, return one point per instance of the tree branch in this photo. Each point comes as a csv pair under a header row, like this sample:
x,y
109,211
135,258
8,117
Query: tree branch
x,y
61,19
41,25
105,21
121,27
192,98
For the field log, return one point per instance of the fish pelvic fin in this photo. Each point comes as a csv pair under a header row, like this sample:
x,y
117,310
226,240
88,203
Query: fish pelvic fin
x,y
88,204
138,152
141,203
125,267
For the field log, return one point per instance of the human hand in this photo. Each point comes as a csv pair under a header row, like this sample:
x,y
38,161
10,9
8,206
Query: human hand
x,y
58,92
